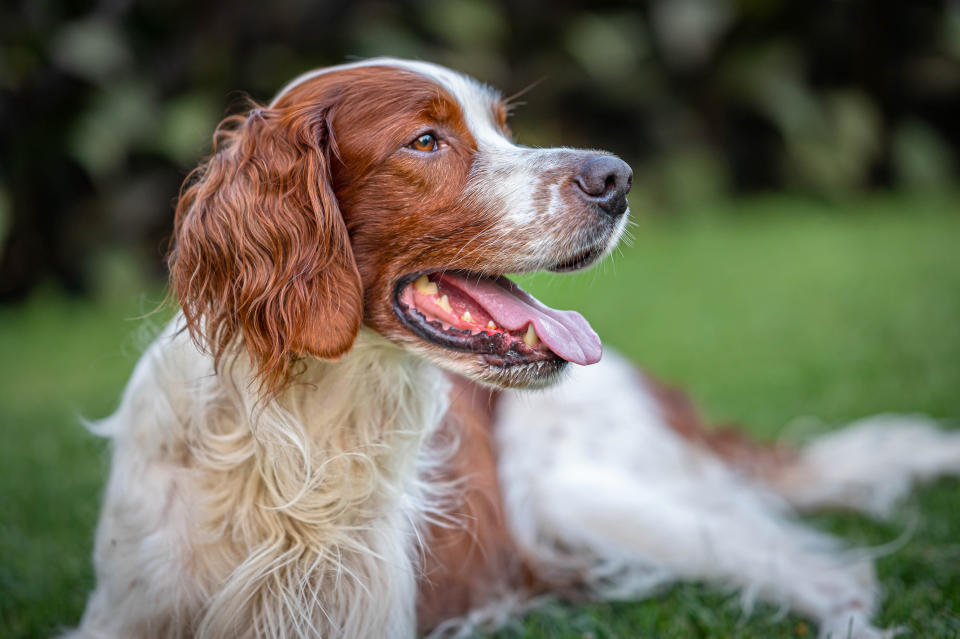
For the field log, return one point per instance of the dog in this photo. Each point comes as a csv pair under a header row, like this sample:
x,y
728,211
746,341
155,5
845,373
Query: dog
x,y
331,438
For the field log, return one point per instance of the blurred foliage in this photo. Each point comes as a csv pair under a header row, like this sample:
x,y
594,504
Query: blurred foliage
x,y
104,106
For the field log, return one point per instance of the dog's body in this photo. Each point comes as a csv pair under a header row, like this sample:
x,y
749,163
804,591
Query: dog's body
x,y
279,471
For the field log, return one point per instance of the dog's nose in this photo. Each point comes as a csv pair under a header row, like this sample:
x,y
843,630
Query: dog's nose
x,y
605,180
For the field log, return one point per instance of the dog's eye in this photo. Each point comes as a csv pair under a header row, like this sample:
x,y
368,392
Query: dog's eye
x,y
425,142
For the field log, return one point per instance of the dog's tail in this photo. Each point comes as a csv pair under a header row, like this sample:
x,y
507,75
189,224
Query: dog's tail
x,y
870,464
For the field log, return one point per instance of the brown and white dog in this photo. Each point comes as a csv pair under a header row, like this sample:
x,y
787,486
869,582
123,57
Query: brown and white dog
x,y
305,451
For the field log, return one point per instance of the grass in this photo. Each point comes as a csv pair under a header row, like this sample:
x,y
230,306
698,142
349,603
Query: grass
x,y
766,310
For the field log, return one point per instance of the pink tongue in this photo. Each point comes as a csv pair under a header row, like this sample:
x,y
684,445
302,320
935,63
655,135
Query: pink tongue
x,y
566,333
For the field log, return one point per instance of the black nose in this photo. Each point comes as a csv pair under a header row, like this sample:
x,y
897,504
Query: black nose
x,y
605,180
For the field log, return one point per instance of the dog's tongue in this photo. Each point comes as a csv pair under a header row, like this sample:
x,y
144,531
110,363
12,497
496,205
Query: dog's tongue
x,y
566,333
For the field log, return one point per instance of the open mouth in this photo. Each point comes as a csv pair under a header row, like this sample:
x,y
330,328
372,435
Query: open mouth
x,y
493,317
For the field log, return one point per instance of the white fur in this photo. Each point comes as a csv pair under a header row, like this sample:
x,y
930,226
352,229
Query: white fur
x,y
871,464
227,516
598,487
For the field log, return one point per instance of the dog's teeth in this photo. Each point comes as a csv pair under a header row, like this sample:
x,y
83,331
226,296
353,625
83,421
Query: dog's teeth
x,y
530,337
466,317
444,303
425,286
491,325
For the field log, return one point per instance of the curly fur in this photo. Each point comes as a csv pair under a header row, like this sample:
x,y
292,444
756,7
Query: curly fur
x,y
309,502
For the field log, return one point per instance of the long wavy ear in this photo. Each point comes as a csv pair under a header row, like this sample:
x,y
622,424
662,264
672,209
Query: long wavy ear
x,y
260,251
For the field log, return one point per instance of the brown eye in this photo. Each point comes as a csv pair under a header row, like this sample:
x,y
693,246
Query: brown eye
x,y
425,142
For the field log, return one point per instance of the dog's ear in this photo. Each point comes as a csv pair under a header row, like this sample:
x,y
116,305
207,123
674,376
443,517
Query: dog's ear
x,y
260,252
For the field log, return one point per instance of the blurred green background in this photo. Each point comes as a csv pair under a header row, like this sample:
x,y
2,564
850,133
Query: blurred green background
x,y
796,250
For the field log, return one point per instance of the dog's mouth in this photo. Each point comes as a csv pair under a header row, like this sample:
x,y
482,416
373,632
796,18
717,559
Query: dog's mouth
x,y
493,317
579,261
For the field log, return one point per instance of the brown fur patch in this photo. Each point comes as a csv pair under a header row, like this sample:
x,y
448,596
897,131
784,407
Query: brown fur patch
x,y
262,243
260,251
468,564
681,414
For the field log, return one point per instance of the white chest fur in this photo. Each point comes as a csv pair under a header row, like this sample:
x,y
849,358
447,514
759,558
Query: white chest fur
x,y
229,515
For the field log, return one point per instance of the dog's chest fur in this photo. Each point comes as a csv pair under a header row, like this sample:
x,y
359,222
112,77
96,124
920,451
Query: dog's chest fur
x,y
297,515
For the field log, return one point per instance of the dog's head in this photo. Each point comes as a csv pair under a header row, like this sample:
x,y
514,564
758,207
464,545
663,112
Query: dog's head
x,y
389,193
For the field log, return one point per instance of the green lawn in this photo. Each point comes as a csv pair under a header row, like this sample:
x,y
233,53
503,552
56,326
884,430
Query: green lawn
x,y
766,310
